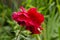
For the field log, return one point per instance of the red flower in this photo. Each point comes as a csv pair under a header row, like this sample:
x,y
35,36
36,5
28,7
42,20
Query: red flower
x,y
31,19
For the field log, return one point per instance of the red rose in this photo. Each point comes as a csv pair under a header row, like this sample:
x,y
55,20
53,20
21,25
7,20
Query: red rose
x,y
31,19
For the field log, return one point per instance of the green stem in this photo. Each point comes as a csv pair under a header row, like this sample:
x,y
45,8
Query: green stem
x,y
59,32
38,37
18,33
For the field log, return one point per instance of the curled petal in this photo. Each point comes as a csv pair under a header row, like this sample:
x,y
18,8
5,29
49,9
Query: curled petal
x,y
30,19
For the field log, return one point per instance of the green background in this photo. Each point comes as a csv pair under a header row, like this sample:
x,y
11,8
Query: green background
x,y
49,8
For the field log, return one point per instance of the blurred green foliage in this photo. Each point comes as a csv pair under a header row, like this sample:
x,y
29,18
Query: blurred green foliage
x,y
49,8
